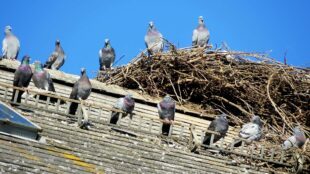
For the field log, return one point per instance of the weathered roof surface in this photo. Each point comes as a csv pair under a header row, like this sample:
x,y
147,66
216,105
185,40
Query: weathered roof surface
x,y
65,148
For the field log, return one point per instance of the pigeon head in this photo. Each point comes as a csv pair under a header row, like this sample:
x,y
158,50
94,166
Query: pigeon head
x,y
256,119
57,42
297,131
222,116
151,25
129,96
83,71
167,98
26,60
8,30
38,66
107,42
200,20
129,103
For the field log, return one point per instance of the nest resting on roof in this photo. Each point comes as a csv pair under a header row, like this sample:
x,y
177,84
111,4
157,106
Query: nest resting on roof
x,y
222,80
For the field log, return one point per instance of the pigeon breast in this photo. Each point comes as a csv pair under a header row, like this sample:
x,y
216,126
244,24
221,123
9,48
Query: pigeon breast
x,y
166,110
154,41
11,47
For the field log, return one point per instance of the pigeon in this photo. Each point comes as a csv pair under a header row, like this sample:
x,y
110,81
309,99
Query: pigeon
x,y
126,104
153,40
57,58
297,140
41,78
22,77
201,34
251,131
80,90
106,56
220,125
10,44
166,111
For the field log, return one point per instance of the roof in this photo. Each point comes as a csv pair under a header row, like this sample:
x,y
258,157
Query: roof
x,y
65,148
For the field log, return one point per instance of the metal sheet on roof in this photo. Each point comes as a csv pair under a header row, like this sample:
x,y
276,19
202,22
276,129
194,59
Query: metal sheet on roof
x,y
13,123
7,114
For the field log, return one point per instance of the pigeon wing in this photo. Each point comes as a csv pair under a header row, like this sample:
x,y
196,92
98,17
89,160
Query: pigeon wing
x,y
4,47
113,57
147,40
195,37
17,76
119,103
51,60
17,44
74,91
50,83
290,142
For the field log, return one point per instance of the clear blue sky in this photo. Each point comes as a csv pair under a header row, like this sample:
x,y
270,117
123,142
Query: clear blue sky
x,y
82,26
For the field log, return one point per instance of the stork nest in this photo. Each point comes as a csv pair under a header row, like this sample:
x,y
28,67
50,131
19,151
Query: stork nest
x,y
220,80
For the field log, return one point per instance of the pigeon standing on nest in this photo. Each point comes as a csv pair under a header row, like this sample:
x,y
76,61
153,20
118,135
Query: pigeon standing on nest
x,y
57,58
153,40
80,90
126,104
201,34
22,77
106,56
10,44
297,140
166,111
220,125
251,131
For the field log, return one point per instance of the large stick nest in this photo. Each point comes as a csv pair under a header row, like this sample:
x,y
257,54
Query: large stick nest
x,y
226,81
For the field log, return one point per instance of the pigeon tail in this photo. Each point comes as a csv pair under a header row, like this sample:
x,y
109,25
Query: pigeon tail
x,y
47,65
237,143
165,129
73,108
207,139
19,97
114,117
52,99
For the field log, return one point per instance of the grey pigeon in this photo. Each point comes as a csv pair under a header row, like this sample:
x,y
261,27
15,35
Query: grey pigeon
x,y
166,111
80,90
22,77
10,44
57,58
201,34
297,140
106,55
126,104
41,78
153,40
251,131
220,125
